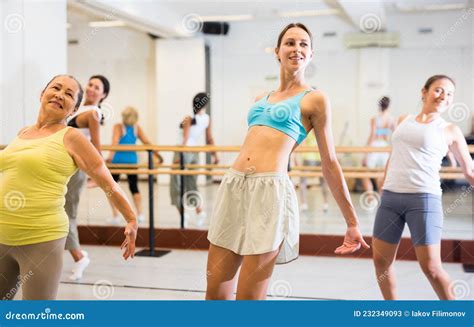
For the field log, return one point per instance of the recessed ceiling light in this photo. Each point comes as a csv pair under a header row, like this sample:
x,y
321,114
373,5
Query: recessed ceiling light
x,y
226,18
309,13
107,23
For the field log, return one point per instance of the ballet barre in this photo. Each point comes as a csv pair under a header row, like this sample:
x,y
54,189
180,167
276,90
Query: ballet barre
x,y
152,168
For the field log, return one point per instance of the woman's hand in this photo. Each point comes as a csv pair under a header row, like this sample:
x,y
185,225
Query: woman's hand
x,y
353,241
130,238
159,158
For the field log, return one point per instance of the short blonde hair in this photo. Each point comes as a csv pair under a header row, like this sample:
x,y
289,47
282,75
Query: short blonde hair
x,y
129,116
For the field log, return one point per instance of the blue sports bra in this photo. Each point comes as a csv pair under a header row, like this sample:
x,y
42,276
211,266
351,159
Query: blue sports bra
x,y
379,130
284,116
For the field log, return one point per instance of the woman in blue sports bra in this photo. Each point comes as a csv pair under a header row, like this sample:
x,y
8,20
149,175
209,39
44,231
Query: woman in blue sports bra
x,y
381,128
127,133
255,222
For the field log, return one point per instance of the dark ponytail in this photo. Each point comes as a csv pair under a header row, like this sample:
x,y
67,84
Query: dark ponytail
x,y
200,101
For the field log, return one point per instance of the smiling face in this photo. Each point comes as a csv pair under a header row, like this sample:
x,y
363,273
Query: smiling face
x,y
60,97
439,95
95,91
294,51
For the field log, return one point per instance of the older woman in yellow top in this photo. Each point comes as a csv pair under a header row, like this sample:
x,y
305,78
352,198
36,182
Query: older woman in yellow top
x,y
35,169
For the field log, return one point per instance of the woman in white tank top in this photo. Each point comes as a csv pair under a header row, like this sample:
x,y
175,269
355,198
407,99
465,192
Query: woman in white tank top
x,y
190,132
87,120
412,188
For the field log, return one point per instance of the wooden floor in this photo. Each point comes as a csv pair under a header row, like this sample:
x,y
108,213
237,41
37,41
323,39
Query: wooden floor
x,y
180,275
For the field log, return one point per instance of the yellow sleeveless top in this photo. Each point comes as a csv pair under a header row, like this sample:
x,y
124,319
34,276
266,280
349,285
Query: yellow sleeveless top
x,y
33,183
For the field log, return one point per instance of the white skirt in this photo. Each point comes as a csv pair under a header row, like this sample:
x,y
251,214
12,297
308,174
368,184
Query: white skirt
x,y
255,213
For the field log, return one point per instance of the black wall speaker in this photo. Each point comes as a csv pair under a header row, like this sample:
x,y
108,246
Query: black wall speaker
x,y
216,28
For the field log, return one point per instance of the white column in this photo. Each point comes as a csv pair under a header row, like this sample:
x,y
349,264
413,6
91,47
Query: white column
x,y
374,73
34,48
180,75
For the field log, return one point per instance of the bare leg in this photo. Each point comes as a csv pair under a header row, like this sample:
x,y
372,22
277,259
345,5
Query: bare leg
x,y
384,255
255,275
429,257
76,254
379,184
367,185
222,266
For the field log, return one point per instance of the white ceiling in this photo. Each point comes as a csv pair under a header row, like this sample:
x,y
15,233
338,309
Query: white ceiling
x,y
350,10
259,8
268,7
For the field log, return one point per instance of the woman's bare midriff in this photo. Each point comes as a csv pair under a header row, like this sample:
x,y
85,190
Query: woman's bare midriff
x,y
265,149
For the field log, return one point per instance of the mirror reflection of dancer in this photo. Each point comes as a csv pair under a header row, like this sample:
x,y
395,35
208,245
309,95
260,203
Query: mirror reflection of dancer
x,y
381,127
127,133
87,120
34,171
255,221
190,131
412,189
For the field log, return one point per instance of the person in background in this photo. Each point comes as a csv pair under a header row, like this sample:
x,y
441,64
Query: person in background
x,y
191,130
381,127
127,133
88,120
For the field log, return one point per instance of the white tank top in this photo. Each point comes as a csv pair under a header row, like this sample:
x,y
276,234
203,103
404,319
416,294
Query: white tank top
x,y
196,131
82,110
417,152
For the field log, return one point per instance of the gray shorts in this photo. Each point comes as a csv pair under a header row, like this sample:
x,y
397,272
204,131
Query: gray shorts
x,y
75,187
422,212
190,182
